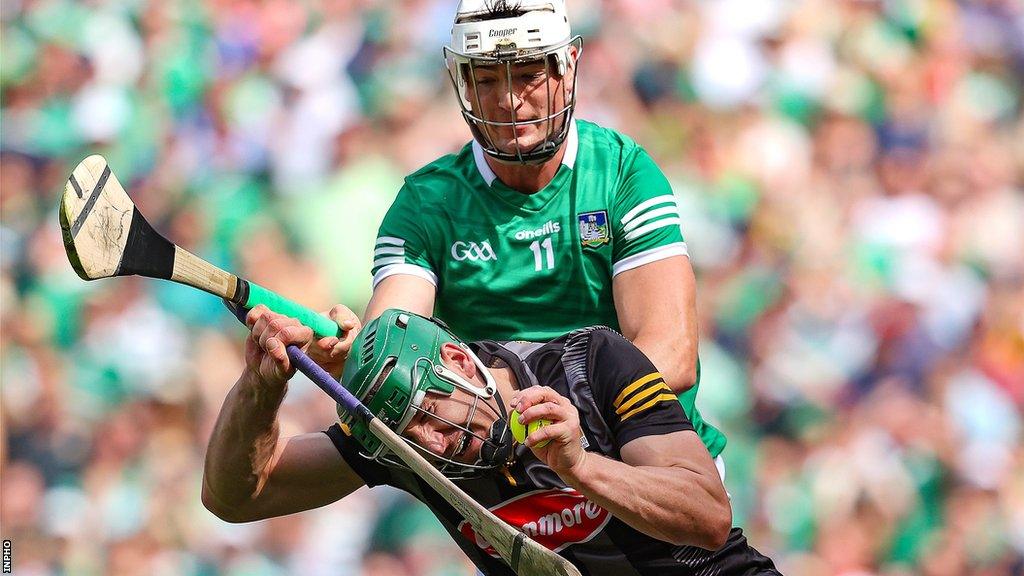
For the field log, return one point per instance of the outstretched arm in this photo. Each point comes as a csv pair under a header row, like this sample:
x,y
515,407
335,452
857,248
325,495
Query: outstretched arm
x,y
666,485
250,472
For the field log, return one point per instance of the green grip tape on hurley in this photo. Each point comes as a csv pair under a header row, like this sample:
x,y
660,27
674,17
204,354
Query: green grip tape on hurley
x,y
322,326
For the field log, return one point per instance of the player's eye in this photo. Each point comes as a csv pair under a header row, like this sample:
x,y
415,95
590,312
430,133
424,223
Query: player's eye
x,y
462,447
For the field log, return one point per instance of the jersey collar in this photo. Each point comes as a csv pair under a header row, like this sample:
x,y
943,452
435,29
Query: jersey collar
x,y
572,145
490,350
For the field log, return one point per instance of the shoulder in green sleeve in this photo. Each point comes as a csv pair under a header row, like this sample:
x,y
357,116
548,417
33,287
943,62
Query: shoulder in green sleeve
x,y
401,238
645,216
411,237
605,137
448,174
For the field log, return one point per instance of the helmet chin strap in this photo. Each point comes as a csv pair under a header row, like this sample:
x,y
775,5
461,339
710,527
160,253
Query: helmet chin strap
x,y
497,448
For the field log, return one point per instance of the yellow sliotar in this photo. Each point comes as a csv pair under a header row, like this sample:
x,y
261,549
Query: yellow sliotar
x,y
521,431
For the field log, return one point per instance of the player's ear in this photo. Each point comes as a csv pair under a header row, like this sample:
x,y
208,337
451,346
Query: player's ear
x,y
566,76
456,358
574,54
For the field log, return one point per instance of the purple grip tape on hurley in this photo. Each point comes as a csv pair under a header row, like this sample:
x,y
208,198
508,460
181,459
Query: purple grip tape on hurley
x,y
313,371
321,378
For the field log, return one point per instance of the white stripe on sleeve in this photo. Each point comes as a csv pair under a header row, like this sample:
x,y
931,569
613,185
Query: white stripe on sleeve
x,y
410,269
390,240
650,216
648,256
388,261
652,226
393,250
663,199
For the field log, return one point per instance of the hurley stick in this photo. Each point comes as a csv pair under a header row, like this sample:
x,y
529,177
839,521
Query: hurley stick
x,y
105,235
525,556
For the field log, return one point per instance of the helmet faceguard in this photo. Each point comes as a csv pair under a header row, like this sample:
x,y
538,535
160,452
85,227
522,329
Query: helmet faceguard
x,y
394,363
500,38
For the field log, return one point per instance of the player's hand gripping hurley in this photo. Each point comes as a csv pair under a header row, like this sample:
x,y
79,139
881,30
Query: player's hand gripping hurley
x,y
105,235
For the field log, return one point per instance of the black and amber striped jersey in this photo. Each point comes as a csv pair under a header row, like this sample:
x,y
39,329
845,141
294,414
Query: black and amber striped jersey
x,y
621,397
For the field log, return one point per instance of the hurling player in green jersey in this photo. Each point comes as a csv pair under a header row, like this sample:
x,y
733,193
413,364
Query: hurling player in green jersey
x,y
542,223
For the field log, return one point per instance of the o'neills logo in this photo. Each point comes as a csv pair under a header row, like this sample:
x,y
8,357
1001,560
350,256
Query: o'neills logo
x,y
554,518
502,32
549,227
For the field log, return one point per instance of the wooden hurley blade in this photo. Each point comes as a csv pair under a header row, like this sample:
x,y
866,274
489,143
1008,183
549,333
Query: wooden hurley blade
x,y
105,235
96,217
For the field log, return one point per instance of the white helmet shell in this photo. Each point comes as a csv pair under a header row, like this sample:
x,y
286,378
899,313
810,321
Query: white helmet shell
x,y
497,32
542,24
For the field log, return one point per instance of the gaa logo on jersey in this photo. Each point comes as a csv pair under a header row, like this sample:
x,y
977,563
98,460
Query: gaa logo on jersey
x,y
594,228
473,251
553,518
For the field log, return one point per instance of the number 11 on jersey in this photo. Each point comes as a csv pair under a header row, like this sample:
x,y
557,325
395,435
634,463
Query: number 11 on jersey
x,y
548,251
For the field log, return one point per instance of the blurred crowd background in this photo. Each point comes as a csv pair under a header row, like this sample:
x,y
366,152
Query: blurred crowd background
x,y
850,174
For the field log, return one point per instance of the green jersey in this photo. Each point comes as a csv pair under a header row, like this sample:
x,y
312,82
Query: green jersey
x,y
513,266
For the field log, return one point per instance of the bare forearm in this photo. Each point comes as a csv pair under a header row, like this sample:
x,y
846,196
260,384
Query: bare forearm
x,y
676,505
403,291
674,356
656,305
243,443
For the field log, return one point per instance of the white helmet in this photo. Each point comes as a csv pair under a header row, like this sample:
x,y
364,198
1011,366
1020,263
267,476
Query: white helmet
x,y
489,33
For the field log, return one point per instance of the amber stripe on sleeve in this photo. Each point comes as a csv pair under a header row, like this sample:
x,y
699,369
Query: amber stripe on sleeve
x,y
657,387
648,404
634,386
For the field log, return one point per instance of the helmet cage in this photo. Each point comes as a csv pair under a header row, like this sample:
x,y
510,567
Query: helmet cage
x,y
402,380
447,465
462,73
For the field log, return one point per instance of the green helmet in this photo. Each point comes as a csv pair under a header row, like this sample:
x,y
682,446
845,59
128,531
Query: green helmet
x,y
394,361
